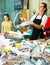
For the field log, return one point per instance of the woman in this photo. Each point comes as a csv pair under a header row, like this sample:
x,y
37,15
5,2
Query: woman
x,y
39,21
6,24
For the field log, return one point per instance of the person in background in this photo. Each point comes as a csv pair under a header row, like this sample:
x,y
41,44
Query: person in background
x,y
6,24
23,19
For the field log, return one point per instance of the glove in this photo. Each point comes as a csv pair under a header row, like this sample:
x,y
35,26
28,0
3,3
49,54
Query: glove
x,y
23,24
26,23
30,22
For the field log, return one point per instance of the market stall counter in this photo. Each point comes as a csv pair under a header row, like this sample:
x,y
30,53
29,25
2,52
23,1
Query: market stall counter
x,y
23,52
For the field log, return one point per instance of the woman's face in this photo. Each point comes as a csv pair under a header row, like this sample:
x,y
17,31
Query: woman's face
x,y
41,8
6,18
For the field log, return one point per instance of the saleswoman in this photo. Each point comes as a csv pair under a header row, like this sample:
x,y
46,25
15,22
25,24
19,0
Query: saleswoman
x,y
39,21
6,24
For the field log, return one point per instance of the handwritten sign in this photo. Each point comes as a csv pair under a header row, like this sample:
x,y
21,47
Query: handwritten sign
x,y
18,4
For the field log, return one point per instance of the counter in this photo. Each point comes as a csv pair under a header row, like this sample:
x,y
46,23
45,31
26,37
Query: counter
x,y
18,52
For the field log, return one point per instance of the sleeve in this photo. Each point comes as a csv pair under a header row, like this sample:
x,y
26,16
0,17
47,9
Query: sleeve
x,y
33,17
44,20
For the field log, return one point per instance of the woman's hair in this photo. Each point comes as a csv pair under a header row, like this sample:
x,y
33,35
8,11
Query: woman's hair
x,y
7,16
45,6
